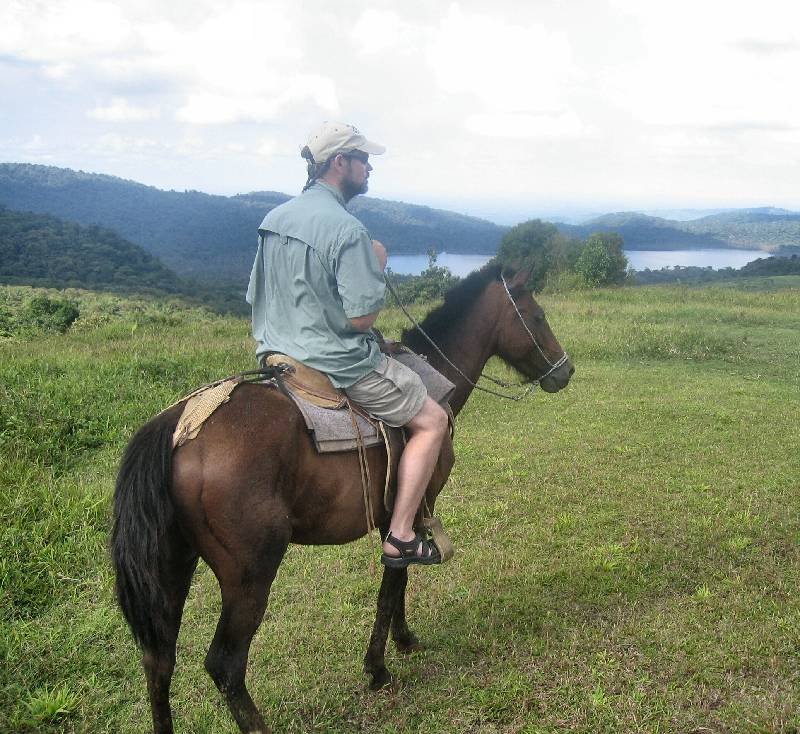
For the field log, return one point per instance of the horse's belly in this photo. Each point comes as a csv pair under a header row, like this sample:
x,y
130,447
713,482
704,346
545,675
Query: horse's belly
x,y
336,516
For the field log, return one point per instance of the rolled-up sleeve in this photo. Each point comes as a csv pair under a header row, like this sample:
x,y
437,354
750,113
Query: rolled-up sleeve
x,y
359,278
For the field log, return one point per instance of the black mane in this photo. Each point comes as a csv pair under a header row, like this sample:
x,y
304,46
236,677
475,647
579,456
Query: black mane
x,y
457,304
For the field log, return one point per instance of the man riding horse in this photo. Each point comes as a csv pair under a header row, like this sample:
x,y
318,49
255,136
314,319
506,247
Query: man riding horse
x,y
316,289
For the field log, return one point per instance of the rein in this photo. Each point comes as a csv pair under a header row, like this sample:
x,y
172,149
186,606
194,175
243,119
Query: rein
x,y
531,384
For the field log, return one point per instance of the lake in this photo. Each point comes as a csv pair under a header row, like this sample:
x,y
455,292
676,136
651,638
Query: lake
x,y
716,258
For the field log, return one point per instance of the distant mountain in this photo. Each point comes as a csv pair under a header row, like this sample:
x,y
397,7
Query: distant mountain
x,y
214,237
764,228
38,249
643,232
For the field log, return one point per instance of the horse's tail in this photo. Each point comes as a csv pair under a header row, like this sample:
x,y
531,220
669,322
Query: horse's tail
x,y
143,516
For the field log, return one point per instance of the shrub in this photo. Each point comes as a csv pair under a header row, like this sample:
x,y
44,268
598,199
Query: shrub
x,y
50,314
602,260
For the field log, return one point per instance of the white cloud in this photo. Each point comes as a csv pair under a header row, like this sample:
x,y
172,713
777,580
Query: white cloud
x,y
61,31
267,148
522,125
382,30
33,144
120,110
695,69
121,147
507,66
209,108
242,61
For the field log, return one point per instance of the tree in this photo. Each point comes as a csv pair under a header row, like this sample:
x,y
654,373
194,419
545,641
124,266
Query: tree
x,y
536,244
602,260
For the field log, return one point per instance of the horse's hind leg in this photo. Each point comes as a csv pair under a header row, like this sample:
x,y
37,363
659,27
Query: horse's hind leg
x,y
244,600
159,661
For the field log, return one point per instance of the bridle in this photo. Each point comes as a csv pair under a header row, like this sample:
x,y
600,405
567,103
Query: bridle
x,y
531,384
564,357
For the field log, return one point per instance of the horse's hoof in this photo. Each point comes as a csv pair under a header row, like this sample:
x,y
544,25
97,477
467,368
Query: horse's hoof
x,y
380,679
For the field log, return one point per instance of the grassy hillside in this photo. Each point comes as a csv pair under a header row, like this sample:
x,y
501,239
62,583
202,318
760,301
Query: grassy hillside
x,y
627,550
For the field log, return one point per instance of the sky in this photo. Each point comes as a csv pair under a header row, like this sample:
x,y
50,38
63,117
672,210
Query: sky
x,y
501,109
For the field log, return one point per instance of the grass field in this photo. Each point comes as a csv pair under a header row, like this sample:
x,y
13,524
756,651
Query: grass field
x,y
627,550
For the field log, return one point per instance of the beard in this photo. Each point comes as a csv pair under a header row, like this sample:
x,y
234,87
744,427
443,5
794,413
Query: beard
x,y
351,188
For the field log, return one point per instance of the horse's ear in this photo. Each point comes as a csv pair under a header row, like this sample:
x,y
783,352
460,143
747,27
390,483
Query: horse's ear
x,y
517,275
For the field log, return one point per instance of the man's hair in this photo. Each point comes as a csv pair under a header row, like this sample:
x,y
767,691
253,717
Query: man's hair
x,y
315,170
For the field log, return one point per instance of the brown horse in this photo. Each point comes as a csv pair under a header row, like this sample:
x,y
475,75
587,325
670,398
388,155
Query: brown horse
x,y
252,482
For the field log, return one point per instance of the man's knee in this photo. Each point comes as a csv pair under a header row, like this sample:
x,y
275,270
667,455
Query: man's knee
x,y
432,418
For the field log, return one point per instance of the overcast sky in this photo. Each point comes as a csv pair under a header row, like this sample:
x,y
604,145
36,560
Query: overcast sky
x,y
498,108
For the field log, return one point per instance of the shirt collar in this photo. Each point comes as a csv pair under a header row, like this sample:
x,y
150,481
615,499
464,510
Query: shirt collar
x,y
333,190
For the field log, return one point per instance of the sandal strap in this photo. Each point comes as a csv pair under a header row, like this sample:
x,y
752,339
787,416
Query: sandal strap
x,y
404,547
408,548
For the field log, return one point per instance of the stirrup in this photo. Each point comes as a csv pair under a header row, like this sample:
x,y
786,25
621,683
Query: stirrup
x,y
430,554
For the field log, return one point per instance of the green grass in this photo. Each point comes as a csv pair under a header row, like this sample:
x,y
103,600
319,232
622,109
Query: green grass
x,y
627,550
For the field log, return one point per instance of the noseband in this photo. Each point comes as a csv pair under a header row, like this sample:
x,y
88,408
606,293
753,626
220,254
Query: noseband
x,y
531,384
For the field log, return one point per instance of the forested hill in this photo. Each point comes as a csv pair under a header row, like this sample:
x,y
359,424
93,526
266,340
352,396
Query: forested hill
x,y
214,237
763,228
37,249
411,229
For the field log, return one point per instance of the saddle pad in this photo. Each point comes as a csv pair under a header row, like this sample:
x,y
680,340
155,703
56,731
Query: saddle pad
x,y
332,429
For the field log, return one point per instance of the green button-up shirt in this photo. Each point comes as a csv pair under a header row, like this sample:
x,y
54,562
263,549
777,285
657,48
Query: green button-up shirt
x,y
314,270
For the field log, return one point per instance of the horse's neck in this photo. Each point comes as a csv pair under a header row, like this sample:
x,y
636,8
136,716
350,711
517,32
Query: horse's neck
x,y
469,345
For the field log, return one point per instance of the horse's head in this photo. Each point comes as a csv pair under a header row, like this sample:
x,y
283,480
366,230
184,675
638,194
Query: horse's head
x,y
524,338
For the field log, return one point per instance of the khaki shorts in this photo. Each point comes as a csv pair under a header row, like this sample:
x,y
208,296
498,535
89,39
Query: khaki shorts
x,y
391,392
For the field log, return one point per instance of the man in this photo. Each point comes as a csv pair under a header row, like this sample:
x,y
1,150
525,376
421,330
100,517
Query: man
x,y
316,289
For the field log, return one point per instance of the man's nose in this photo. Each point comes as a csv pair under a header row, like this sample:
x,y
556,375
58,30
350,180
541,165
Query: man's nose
x,y
369,167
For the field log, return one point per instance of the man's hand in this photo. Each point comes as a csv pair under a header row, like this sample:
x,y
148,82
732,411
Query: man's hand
x,y
380,253
364,323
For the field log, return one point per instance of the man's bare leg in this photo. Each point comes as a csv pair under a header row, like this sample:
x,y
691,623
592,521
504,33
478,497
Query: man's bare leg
x,y
428,429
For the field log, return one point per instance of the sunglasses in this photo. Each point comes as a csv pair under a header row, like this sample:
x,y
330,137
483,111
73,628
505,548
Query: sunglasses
x,y
358,155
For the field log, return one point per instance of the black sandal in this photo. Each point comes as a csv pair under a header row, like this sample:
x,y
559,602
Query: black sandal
x,y
429,553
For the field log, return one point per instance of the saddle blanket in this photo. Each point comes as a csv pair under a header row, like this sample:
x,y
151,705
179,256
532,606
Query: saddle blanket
x,y
331,427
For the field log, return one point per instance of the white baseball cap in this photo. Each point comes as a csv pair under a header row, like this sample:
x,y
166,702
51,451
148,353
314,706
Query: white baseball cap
x,y
331,138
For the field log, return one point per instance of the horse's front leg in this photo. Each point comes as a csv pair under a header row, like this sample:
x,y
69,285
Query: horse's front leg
x,y
392,588
403,637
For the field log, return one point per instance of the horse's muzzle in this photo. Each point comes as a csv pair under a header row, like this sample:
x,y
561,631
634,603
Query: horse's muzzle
x,y
558,379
